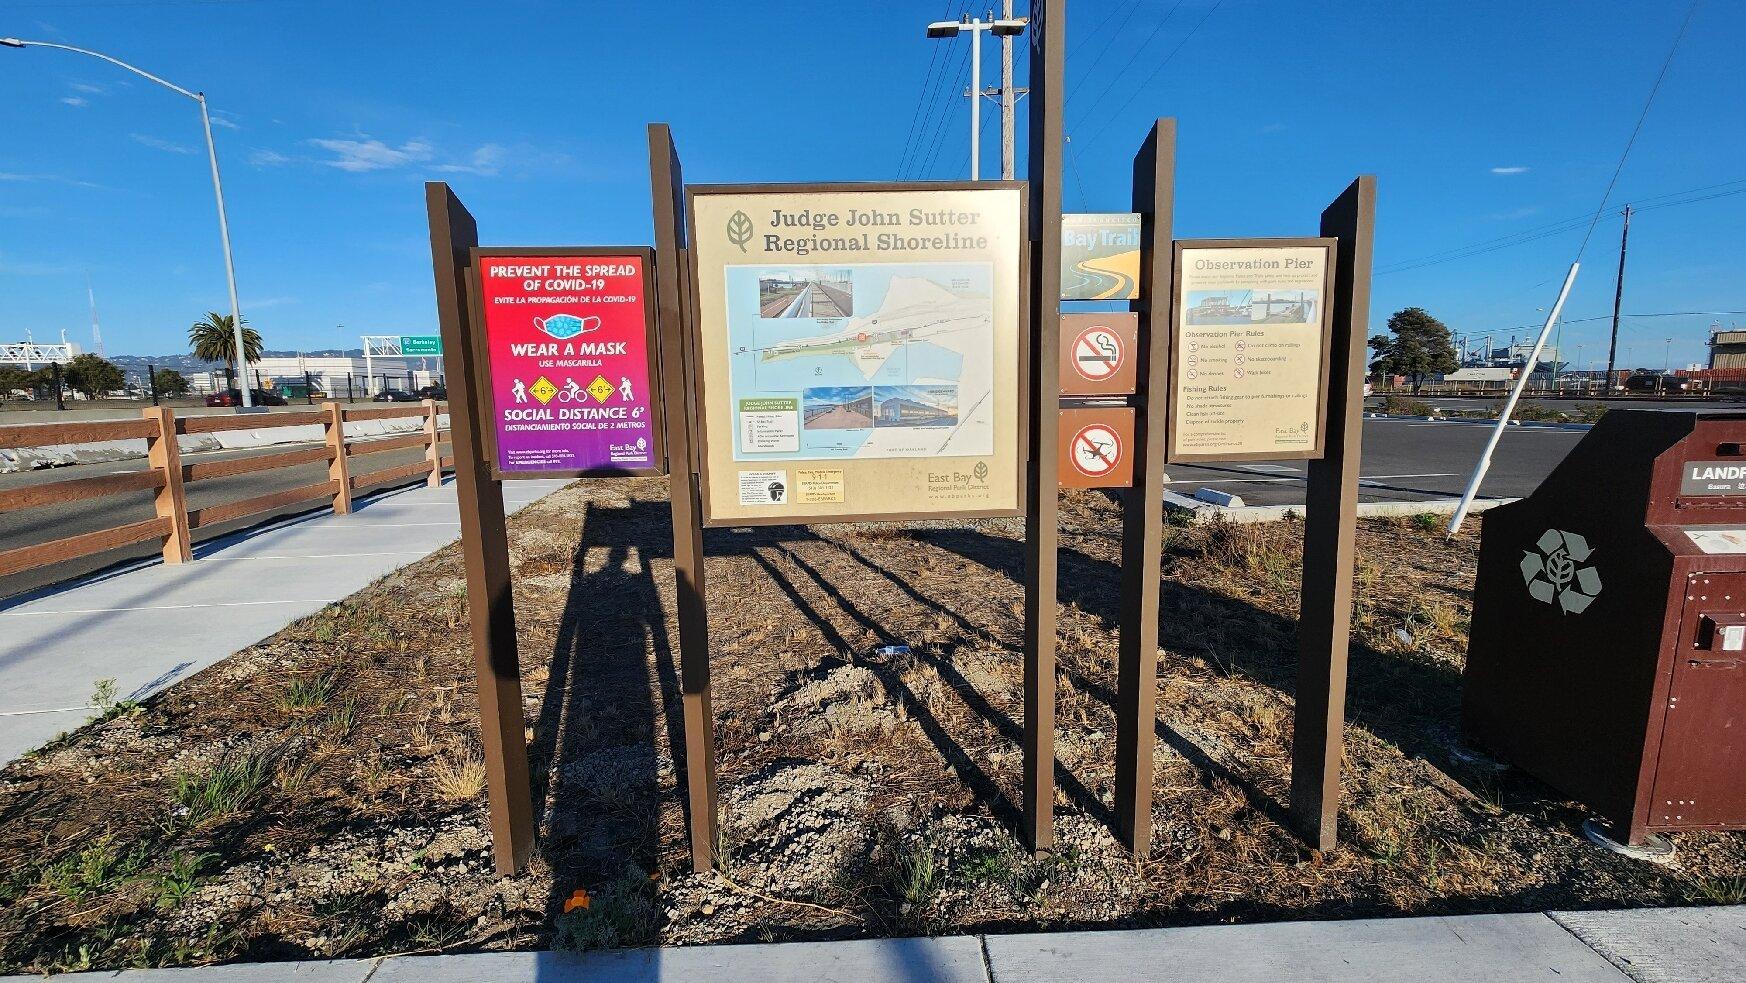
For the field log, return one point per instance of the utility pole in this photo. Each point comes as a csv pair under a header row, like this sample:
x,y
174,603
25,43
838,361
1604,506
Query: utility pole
x,y
1006,97
1618,296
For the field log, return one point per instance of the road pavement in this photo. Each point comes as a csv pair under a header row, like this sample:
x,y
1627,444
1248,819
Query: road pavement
x,y
1404,460
25,527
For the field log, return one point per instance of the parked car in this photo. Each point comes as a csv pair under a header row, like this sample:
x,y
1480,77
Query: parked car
x,y
1656,382
437,391
300,390
233,397
394,396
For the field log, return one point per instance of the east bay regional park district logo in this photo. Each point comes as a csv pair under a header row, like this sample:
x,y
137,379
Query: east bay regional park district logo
x,y
1552,572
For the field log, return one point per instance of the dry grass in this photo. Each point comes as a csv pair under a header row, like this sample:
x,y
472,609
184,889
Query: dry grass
x,y
869,789
458,776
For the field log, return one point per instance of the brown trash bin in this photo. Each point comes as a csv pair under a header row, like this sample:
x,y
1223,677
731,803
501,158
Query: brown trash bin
x,y
1607,655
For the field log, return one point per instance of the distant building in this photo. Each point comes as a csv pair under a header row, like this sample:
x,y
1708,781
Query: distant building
x,y
1727,348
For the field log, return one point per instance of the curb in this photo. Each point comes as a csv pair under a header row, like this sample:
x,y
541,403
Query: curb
x,y
1479,422
1200,512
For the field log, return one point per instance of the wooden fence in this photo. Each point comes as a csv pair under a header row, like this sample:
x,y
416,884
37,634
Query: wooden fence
x,y
167,477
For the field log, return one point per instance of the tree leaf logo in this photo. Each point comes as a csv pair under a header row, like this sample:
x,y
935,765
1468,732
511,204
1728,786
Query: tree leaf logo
x,y
739,229
1553,573
980,470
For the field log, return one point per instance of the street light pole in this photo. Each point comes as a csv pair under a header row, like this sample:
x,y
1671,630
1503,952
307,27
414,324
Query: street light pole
x,y
1005,28
236,322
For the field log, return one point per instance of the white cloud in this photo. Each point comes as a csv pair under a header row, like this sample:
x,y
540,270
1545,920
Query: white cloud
x,y
358,156
88,88
486,161
160,144
267,302
75,101
11,268
225,120
1526,211
268,158
1509,170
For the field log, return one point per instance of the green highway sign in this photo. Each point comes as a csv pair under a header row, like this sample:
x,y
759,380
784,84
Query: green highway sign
x,y
421,345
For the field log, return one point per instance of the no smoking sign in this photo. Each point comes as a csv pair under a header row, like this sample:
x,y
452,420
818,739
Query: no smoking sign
x,y
1096,447
1097,354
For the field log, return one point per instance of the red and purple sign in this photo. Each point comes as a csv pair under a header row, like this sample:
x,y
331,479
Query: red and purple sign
x,y
567,343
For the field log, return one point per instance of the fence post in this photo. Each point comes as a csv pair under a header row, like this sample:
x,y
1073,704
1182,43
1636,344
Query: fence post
x,y
338,468
171,502
432,447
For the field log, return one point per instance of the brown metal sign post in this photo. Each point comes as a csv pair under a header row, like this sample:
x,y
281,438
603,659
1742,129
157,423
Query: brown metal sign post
x,y
1330,527
1042,493
667,190
484,539
1143,504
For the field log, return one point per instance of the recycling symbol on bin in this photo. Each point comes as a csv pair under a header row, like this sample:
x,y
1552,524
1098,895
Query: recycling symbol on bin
x,y
1553,573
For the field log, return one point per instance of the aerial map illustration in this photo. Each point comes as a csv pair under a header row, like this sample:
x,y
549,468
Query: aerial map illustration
x,y
909,374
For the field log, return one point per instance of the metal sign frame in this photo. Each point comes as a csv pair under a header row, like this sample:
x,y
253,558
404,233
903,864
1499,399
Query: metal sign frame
x,y
1026,349
482,354
1320,425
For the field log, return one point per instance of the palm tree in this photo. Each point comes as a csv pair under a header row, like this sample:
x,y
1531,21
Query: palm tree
x,y
214,340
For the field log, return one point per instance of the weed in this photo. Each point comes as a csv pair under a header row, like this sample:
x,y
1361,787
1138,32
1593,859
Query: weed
x,y
1398,405
458,776
623,914
304,693
1427,522
1719,890
225,788
987,867
108,706
294,776
177,883
342,719
97,869
918,876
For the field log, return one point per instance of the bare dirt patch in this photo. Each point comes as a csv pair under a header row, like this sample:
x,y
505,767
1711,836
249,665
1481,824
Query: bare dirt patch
x,y
319,794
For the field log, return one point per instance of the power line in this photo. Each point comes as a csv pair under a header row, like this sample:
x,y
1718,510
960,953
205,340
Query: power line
x,y
1653,89
1110,41
930,94
1664,200
962,68
1117,77
915,115
1148,79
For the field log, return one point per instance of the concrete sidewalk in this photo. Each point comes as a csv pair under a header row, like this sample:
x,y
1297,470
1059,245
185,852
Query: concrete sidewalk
x,y
1657,945
147,625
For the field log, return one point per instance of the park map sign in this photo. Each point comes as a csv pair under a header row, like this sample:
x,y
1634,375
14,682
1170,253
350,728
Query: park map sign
x,y
1251,338
569,339
858,350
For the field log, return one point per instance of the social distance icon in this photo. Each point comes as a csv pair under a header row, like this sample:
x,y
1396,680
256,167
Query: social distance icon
x,y
543,390
561,326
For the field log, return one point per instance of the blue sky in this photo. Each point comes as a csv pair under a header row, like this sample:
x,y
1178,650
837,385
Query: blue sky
x,y
1481,119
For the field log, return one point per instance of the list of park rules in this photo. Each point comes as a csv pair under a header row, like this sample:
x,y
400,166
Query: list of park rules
x,y
1249,362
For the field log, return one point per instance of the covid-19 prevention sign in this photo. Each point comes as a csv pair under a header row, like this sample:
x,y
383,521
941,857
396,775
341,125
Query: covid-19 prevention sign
x,y
569,341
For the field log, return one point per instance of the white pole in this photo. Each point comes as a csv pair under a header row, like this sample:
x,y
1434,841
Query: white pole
x,y
236,321
975,100
1509,406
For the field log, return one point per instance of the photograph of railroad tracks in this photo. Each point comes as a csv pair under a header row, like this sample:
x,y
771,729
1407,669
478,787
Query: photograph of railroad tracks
x,y
837,408
808,292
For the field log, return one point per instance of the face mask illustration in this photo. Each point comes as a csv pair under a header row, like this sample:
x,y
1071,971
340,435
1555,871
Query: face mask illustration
x,y
563,326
